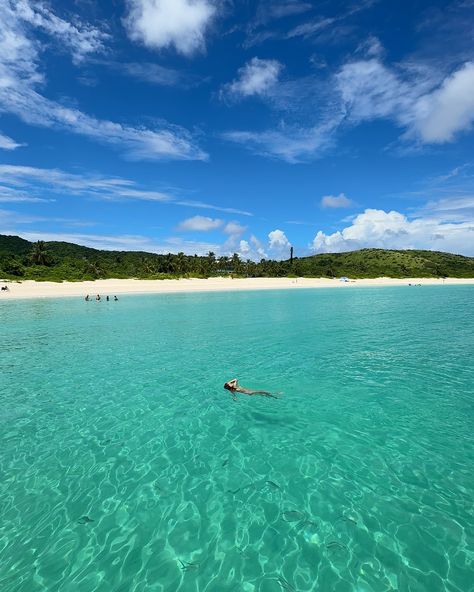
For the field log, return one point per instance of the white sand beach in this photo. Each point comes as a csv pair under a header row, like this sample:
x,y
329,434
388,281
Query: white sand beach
x,y
32,289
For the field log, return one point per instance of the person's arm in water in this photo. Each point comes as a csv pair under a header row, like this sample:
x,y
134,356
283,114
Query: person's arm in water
x,y
232,386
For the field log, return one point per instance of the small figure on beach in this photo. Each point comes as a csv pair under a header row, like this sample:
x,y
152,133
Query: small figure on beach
x,y
87,298
233,387
5,289
97,297
115,299
107,298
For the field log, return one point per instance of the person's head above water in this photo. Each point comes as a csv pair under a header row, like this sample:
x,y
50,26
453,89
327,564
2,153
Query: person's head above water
x,y
231,384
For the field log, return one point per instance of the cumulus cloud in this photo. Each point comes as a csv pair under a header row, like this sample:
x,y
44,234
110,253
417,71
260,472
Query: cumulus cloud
x,y
393,230
431,110
252,249
7,143
257,77
160,24
21,78
335,201
278,244
200,224
449,109
430,106
276,247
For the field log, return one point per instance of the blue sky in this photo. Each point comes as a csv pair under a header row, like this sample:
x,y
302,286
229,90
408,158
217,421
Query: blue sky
x,y
238,126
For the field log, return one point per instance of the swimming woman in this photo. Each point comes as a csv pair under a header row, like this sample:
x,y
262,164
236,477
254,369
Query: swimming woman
x,y
233,387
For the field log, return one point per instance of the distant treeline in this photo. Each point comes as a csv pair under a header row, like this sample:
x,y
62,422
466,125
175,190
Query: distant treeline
x,y
58,261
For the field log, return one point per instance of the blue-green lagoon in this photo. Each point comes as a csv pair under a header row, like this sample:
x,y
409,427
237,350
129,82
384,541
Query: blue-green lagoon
x,y
126,467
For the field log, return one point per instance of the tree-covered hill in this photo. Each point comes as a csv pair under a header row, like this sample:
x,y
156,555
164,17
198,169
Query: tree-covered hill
x,y
21,259
370,263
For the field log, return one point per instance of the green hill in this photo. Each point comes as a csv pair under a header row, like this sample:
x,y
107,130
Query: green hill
x,y
57,261
370,263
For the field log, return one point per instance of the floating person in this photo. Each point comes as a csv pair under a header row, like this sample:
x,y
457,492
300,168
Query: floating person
x,y
233,387
97,297
107,298
87,298
115,299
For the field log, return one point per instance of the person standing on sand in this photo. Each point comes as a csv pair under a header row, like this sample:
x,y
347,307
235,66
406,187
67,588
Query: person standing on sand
x,y
233,387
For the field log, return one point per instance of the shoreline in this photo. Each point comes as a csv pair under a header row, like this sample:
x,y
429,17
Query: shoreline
x,y
32,289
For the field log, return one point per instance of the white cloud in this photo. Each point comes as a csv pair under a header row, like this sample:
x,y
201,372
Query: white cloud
x,y
291,144
125,242
234,228
258,248
369,90
449,109
39,181
9,219
335,201
12,195
430,108
205,206
20,78
7,143
80,38
252,249
170,23
455,209
427,104
312,27
155,74
393,230
257,77
200,224
278,245
276,9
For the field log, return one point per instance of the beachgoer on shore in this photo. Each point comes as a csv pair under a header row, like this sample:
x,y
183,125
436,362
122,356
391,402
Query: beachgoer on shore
x,y
233,387
5,288
107,298
97,297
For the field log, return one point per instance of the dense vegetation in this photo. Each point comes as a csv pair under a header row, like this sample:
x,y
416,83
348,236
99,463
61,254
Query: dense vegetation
x,y
57,261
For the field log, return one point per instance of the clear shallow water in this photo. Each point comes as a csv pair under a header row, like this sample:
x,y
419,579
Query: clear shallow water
x,y
361,478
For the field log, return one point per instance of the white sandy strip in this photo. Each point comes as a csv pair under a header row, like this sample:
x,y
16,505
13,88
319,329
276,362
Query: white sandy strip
x,y
31,289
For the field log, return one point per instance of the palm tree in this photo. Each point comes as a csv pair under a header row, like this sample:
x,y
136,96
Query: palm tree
x,y
148,266
39,254
94,268
211,262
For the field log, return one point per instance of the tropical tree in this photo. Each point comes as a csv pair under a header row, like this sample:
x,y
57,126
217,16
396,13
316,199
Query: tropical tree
x,y
181,263
236,264
94,268
39,255
210,262
147,266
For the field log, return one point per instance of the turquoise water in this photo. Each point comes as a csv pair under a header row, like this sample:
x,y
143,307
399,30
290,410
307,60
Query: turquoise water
x,y
126,467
